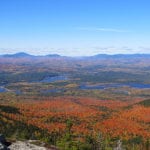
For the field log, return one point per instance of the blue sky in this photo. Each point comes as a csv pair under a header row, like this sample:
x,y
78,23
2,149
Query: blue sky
x,y
74,27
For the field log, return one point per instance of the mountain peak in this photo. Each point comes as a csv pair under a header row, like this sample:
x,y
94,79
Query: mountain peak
x,y
20,54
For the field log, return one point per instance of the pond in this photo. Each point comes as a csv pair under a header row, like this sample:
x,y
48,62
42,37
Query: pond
x,y
54,79
114,85
2,89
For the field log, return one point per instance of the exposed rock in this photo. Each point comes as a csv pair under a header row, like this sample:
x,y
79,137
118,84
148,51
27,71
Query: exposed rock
x,y
3,143
3,147
19,145
119,145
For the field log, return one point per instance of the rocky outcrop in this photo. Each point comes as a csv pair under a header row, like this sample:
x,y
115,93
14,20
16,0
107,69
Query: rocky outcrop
x,y
28,145
22,145
19,145
119,146
3,143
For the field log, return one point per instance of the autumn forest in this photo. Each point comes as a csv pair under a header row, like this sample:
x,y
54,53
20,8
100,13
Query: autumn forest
x,y
90,103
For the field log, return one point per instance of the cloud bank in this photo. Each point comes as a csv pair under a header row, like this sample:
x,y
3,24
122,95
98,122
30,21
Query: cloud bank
x,y
79,51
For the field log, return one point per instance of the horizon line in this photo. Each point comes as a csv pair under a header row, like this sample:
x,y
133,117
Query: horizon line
x,y
59,55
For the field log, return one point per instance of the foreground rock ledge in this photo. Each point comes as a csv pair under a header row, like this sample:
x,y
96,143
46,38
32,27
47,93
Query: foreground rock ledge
x,y
19,145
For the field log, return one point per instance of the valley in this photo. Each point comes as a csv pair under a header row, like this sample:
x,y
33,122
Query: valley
x,y
76,103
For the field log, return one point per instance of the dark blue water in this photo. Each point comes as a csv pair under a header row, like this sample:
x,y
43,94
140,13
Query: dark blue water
x,y
54,79
139,86
2,89
114,85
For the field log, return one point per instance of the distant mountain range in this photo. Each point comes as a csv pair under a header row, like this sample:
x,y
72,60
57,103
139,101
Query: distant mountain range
x,y
102,56
22,54
122,56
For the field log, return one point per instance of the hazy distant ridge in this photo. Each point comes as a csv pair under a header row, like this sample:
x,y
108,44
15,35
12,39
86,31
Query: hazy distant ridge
x,y
23,54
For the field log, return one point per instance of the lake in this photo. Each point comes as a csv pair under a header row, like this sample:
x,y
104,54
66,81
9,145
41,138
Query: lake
x,y
54,79
2,89
114,85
